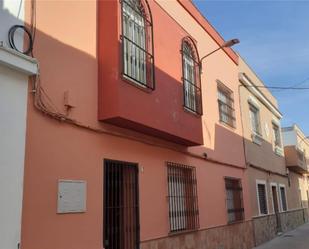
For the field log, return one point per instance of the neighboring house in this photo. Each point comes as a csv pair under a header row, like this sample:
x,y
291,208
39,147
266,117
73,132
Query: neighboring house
x,y
130,145
14,71
271,194
296,148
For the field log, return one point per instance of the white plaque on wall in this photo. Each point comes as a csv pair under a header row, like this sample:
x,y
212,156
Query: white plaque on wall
x,y
71,196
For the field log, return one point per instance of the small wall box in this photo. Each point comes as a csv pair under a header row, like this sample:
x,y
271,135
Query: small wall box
x,y
71,196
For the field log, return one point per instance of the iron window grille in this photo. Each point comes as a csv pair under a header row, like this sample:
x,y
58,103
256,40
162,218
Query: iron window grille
x,y
255,119
283,199
234,200
182,197
226,106
137,43
121,205
191,77
262,198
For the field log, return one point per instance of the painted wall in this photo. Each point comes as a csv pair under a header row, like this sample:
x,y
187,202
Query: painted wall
x,y
67,54
262,155
221,142
13,107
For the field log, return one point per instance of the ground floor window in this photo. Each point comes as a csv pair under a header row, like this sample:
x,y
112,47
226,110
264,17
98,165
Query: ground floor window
x,y
262,197
121,209
283,198
234,200
182,197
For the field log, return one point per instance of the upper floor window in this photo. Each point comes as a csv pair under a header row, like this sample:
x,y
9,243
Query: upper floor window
x,y
137,43
191,77
182,197
276,135
255,119
226,106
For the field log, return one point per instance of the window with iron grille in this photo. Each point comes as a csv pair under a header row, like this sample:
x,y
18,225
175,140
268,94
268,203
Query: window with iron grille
x,y
255,119
234,200
137,43
226,106
121,209
182,197
191,77
262,198
276,134
283,198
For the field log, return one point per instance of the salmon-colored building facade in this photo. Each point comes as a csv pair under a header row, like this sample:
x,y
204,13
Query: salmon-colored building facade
x,y
139,125
135,139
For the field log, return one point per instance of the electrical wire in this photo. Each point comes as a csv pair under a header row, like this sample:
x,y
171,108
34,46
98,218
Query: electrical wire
x,y
11,37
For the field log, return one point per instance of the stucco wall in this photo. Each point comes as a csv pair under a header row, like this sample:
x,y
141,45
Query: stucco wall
x,y
55,150
260,155
255,175
13,106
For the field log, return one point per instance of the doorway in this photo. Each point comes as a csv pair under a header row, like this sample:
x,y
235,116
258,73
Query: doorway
x,y
276,207
121,205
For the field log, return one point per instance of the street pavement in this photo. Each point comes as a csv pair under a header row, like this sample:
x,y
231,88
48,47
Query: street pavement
x,y
296,239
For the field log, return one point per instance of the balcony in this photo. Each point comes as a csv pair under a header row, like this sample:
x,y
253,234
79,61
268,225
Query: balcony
x,y
295,159
141,86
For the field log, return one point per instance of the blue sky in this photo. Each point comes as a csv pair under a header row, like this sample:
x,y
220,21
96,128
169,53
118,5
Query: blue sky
x,y
274,40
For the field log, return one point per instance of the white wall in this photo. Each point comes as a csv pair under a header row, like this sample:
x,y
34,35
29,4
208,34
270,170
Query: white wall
x,y
289,137
11,13
13,108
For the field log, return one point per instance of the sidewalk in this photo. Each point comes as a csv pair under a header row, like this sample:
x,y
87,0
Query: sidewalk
x,y
296,239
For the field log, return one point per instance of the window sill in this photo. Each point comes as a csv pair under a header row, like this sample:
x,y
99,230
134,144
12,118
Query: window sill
x,y
232,127
235,222
279,151
186,109
136,84
182,232
257,139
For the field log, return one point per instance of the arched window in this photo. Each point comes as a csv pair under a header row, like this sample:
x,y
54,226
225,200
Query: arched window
x,y
191,77
138,63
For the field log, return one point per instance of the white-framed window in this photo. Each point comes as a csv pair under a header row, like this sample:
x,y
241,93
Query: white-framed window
x,y
254,114
226,105
262,197
283,200
138,64
276,135
191,83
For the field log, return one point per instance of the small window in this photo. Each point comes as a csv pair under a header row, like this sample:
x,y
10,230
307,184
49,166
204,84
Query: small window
x,y
182,197
255,120
226,106
191,77
276,135
262,198
137,43
234,200
283,198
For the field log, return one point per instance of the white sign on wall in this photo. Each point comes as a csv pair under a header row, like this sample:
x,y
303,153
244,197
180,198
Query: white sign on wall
x,y
71,196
